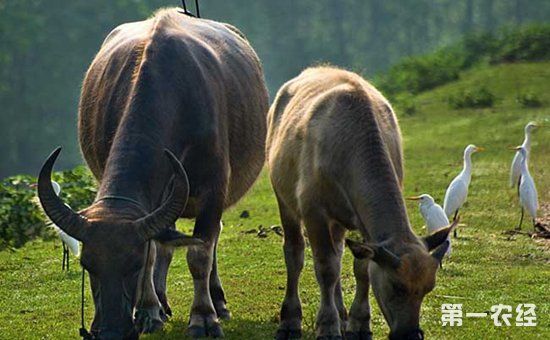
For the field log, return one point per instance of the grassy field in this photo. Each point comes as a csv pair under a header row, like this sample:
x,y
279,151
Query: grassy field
x,y
487,267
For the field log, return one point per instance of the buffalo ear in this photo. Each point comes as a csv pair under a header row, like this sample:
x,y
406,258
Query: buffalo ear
x,y
359,250
440,251
173,238
434,240
384,257
379,254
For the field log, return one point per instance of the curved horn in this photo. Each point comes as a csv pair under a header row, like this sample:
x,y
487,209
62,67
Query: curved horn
x,y
170,211
59,213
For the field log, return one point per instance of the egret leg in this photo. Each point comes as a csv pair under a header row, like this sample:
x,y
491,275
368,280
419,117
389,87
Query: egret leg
x,y
519,183
67,256
455,235
64,256
520,220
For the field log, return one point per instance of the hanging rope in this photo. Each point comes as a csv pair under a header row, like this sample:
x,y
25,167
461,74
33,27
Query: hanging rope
x,y
83,331
186,12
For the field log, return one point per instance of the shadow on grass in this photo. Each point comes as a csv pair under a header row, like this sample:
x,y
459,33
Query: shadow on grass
x,y
233,329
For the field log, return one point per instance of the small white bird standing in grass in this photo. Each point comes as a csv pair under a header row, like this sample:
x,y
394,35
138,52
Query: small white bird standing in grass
x,y
457,192
69,243
527,190
434,216
515,169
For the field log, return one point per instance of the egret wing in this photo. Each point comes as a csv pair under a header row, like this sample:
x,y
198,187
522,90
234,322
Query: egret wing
x,y
436,219
515,170
455,196
528,195
71,242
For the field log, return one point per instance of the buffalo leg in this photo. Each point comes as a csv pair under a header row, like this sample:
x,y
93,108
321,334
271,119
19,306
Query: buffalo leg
x,y
203,320
149,309
338,233
358,327
290,326
162,264
327,270
216,290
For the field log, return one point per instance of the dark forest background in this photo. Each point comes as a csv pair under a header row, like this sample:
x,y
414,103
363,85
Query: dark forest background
x,y
46,46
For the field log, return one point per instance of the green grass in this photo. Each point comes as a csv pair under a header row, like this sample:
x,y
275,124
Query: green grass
x,y
486,268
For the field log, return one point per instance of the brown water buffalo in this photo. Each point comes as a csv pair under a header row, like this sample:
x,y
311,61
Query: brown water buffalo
x,y
335,160
191,86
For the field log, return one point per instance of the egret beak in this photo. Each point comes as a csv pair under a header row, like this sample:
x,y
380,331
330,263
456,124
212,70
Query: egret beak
x,y
514,148
413,198
479,149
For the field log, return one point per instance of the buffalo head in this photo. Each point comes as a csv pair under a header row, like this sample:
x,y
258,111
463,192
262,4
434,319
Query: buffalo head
x,y
400,283
115,245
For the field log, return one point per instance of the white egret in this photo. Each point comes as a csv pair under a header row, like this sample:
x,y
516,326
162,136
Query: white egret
x,y
434,216
515,169
527,190
69,243
457,192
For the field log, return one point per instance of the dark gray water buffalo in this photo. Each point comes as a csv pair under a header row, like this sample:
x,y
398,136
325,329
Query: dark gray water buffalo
x,y
191,86
335,159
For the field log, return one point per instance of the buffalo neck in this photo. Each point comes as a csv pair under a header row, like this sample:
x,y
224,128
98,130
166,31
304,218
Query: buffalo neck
x,y
378,199
137,167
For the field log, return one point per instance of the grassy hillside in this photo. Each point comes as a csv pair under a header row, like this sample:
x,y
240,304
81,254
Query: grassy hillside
x,y
487,267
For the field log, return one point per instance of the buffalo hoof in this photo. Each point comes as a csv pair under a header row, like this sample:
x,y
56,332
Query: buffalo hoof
x,y
223,313
287,334
165,314
362,335
208,329
148,320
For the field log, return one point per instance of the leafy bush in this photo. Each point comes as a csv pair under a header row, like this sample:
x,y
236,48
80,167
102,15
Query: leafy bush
x,y
78,187
421,73
21,218
475,48
478,98
417,74
529,100
405,103
530,43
